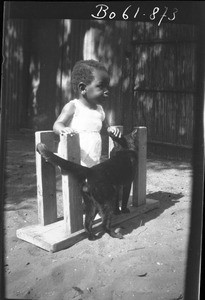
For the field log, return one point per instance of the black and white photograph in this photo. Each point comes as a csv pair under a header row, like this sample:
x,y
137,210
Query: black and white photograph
x,y
102,150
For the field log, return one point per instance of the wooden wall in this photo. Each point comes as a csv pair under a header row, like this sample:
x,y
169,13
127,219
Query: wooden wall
x,y
15,73
153,74
164,84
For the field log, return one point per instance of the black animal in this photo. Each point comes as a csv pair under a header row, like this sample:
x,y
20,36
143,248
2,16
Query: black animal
x,y
125,188
99,184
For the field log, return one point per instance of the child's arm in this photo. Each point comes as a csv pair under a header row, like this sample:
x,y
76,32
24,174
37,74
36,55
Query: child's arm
x,y
112,129
115,131
64,118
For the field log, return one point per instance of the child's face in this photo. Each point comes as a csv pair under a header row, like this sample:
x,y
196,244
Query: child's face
x,y
97,90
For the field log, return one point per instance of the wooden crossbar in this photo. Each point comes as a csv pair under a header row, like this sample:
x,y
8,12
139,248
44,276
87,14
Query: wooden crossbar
x,y
54,235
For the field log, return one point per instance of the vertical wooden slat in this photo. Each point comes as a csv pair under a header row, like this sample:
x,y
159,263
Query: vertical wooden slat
x,y
11,83
165,72
7,71
139,183
16,91
72,199
17,73
46,181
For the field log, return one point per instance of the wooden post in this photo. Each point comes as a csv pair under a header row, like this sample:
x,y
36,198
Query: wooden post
x,y
46,181
72,199
139,184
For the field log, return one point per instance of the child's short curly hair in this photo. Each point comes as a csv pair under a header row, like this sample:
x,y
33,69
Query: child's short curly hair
x,y
83,72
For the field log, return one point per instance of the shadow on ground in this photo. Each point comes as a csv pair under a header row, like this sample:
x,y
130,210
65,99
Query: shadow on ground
x,y
166,200
163,164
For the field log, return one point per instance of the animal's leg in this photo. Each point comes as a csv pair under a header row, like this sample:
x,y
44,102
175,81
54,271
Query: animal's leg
x,y
90,213
106,223
117,201
125,198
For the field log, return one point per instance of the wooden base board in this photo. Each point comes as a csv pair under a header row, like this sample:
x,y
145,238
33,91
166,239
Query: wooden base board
x,y
53,237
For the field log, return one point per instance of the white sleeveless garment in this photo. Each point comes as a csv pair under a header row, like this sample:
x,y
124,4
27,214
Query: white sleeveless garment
x,y
88,123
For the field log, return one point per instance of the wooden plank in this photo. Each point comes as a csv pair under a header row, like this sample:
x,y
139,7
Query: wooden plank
x,y
72,199
146,90
54,238
46,181
170,144
139,183
171,41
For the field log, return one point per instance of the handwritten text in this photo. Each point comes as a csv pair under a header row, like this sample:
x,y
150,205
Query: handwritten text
x,y
156,14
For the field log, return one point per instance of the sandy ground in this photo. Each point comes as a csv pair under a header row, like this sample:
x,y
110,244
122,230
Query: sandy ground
x,y
148,264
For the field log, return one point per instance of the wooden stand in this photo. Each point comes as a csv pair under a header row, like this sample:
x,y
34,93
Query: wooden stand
x,y
54,235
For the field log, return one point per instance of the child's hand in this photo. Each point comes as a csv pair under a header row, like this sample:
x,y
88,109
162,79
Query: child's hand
x,y
67,130
115,131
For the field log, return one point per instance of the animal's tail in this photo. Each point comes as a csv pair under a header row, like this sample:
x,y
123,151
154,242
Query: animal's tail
x,y
80,172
